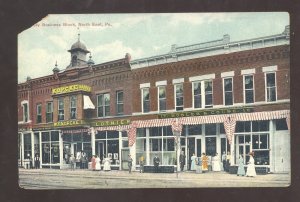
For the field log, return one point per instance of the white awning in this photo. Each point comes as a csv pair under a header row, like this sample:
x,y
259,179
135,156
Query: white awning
x,y
87,103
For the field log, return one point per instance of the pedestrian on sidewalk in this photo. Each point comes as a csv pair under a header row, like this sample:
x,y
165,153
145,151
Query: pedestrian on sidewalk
x,y
193,162
223,158
141,162
198,165
93,160
228,157
37,161
182,160
216,163
251,166
72,161
156,162
129,162
241,169
98,165
204,160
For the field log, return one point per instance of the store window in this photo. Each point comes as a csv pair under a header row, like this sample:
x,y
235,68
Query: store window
x,y
49,112
39,113
253,136
103,103
61,111
162,104
120,103
228,91
73,107
27,146
179,97
107,146
162,144
50,147
248,89
145,100
271,87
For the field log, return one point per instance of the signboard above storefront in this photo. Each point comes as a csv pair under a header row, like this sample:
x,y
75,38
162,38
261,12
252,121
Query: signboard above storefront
x,y
206,112
71,88
70,123
111,123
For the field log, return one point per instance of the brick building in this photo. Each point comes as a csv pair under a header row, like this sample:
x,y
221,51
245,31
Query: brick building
x,y
215,97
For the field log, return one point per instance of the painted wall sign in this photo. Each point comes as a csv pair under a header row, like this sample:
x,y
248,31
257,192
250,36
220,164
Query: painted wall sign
x,y
206,112
69,123
71,88
111,123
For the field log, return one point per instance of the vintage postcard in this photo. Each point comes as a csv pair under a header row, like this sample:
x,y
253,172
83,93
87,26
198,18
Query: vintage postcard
x,y
183,100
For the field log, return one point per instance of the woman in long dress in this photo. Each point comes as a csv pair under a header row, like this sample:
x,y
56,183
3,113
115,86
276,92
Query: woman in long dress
x,y
193,163
204,160
106,164
241,169
251,167
216,163
98,165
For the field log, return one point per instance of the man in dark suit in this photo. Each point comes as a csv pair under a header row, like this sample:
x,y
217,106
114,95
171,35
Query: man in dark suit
x,y
156,163
182,160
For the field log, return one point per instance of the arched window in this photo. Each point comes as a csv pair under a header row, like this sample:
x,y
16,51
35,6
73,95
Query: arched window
x,y
74,60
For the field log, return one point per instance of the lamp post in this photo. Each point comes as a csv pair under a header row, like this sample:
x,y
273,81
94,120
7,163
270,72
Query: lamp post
x,y
177,135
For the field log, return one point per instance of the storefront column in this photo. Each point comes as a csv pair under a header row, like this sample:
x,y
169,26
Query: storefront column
x,y
133,156
61,149
32,147
40,143
271,142
93,141
218,142
232,151
147,147
120,149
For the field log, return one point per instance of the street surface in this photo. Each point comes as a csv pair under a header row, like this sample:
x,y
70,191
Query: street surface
x,y
87,179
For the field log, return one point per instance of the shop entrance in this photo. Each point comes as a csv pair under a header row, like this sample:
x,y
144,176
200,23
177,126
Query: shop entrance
x,y
124,159
194,146
100,150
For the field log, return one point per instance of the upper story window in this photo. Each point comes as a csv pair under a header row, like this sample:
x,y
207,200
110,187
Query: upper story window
x,y
103,104
120,102
39,113
73,107
162,104
208,94
25,112
179,97
228,91
202,91
49,112
271,86
145,100
197,94
201,88
61,111
248,89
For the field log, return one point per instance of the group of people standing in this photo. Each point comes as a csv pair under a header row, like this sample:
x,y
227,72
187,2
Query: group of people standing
x,y
250,168
201,164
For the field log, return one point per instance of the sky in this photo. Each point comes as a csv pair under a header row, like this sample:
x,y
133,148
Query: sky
x,y
110,36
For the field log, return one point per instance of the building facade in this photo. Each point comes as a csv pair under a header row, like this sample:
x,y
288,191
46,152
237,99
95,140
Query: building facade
x,y
212,97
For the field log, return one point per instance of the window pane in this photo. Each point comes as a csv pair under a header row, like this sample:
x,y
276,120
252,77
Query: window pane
x,y
162,105
101,135
261,157
263,125
210,143
281,124
270,79
197,101
255,140
263,141
228,98
210,129
155,131
54,136
249,96
140,132
249,82
45,136
228,84
162,92
195,129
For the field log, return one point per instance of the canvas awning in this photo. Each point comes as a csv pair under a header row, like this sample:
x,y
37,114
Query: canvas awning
x,y
87,103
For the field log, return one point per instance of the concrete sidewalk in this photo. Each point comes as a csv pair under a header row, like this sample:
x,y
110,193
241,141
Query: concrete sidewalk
x,y
51,178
